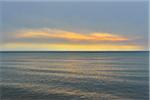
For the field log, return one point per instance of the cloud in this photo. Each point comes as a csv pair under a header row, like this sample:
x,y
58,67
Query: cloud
x,y
71,36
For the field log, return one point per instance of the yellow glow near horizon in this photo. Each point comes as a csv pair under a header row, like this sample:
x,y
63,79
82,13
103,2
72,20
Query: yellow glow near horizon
x,y
70,47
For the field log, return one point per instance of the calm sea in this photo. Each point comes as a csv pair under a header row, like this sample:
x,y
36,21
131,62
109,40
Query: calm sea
x,y
74,76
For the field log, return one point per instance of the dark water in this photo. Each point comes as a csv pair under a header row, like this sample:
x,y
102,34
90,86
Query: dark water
x,y
74,76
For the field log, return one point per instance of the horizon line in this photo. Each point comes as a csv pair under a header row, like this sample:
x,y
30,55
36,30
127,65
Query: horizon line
x,y
42,51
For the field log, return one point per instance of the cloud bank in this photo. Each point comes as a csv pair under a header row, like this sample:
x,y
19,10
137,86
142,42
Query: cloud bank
x,y
94,41
71,36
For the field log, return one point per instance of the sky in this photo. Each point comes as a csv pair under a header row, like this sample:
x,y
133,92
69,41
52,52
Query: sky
x,y
74,26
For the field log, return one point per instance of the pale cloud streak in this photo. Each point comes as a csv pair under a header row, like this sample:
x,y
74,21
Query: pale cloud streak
x,y
71,36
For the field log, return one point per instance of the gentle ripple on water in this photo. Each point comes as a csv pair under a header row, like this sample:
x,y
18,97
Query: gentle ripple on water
x,y
74,76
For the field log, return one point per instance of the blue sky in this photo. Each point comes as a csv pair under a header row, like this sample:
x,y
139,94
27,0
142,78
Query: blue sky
x,y
129,19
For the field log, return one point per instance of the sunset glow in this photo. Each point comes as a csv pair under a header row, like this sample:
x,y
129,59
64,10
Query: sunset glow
x,y
71,47
83,26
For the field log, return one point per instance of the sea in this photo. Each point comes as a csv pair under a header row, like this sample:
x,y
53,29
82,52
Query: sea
x,y
74,75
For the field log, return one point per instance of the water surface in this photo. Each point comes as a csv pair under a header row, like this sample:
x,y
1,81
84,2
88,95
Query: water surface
x,y
74,76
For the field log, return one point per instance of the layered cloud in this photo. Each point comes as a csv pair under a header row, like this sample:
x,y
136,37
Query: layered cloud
x,y
71,36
